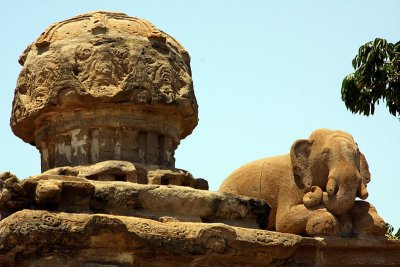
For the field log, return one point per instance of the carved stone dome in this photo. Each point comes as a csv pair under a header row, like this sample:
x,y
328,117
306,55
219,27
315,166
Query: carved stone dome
x,y
104,86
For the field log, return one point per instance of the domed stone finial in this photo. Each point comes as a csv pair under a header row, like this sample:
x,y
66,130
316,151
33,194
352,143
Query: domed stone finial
x,y
104,86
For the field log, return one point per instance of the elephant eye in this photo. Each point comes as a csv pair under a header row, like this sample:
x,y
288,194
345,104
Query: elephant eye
x,y
357,153
326,151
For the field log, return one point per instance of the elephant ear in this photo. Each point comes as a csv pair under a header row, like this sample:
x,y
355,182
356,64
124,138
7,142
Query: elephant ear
x,y
362,191
299,154
364,170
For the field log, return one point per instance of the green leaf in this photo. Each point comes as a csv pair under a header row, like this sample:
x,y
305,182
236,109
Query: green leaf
x,y
397,233
376,76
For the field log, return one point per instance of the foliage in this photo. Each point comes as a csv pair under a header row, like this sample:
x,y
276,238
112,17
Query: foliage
x,y
376,76
390,234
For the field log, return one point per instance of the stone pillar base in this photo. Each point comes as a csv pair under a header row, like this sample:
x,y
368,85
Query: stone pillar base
x,y
88,137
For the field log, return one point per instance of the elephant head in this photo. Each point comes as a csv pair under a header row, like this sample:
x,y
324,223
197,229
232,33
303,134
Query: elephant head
x,y
332,161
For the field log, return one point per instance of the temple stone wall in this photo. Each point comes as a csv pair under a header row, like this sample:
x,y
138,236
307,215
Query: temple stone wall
x,y
106,99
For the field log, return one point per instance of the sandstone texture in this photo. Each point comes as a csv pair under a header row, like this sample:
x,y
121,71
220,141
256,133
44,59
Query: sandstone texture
x,y
106,99
104,86
116,170
157,202
38,238
313,190
42,238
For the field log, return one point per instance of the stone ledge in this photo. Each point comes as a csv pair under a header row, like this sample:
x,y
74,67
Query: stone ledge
x,y
158,202
40,238
119,170
348,252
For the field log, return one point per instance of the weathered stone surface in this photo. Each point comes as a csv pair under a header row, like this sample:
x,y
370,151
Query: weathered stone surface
x,y
104,86
80,195
13,196
116,170
347,252
169,177
42,238
111,170
312,190
106,98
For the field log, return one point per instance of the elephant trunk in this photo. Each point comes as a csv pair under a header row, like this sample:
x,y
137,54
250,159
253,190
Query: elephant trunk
x,y
339,196
362,191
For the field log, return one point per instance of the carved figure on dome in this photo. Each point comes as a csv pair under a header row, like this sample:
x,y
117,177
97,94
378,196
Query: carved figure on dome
x,y
102,67
86,79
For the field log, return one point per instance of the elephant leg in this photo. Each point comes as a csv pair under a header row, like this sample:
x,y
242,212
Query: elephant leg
x,y
292,220
312,222
321,222
366,220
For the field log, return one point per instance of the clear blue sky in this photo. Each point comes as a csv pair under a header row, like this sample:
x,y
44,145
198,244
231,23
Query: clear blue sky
x,y
265,74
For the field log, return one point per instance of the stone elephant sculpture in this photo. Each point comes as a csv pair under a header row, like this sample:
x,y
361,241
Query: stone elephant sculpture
x,y
313,189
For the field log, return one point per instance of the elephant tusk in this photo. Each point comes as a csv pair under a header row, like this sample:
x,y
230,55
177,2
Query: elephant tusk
x,y
331,187
362,191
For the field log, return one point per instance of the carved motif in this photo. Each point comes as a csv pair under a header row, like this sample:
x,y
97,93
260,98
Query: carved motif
x,y
152,70
50,220
103,58
156,78
101,68
36,85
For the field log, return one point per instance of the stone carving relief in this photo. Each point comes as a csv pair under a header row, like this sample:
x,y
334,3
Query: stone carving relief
x,y
104,86
157,79
107,98
107,59
100,68
103,67
33,85
313,190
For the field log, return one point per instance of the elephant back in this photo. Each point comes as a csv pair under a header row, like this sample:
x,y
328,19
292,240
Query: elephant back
x,y
244,180
260,179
